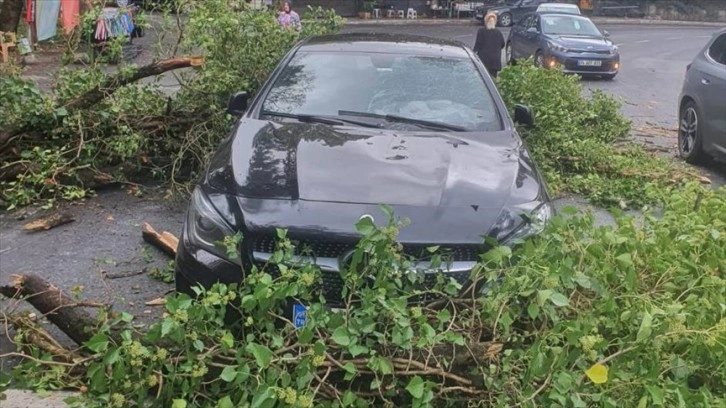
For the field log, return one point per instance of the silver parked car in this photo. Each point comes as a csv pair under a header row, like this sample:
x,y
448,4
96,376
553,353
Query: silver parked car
x,y
702,106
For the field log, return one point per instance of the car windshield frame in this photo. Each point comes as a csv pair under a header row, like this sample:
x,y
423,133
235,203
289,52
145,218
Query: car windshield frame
x,y
489,118
572,17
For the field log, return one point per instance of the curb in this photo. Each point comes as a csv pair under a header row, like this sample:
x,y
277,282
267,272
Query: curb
x,y
471,21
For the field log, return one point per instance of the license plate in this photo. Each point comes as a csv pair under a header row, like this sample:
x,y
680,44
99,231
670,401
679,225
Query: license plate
x,y
589,63
299,315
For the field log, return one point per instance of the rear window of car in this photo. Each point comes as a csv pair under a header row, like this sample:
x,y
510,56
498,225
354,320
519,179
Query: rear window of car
x,y
717,50
442,89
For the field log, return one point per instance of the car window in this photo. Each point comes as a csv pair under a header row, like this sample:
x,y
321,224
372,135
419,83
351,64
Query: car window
x,y
534,23
569,25
524,22
447,90
717,50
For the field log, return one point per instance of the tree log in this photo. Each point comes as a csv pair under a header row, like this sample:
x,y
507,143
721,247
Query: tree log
x,y
166,241
111,84
60,309
48,222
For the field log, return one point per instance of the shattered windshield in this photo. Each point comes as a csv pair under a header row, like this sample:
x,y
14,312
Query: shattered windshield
x,y
449,91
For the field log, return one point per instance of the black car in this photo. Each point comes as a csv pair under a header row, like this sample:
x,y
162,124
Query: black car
x,y
346,123
569,41
509,11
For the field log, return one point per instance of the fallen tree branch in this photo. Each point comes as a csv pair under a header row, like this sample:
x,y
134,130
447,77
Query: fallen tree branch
x,y
60,309
166,241
111,84
46,223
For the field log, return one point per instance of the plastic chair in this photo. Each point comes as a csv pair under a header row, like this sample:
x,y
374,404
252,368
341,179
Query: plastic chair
x,y
401,13
390,13
376,13
411,14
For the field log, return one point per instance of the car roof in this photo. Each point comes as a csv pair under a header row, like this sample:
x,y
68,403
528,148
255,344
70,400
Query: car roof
x,y
385,43
558,5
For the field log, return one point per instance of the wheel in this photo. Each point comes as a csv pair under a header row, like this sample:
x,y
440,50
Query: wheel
x,y
505,20
609,77
690,142
539,59
508,56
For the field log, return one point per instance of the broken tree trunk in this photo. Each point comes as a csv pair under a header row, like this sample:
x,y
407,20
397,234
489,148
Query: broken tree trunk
x,y
60,309
111,84
166,241
46,223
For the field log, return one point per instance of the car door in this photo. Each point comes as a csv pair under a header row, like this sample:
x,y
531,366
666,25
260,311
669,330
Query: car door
x,y
531,36
518,39
712,84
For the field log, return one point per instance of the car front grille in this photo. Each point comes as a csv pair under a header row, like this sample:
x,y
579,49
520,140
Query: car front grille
x,y
335,249
332,284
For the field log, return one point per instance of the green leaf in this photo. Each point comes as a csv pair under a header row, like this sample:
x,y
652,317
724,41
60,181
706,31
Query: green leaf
x,y
340,336
229,373
357,349
416,387
179,403
225,402
349,398
656,394
625,260
112,356
261,398
98,343
559,299
261,353
365,225
645,329
533,310
166,326
227,340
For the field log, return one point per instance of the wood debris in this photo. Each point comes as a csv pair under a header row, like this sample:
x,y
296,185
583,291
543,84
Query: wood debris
x,y
46,223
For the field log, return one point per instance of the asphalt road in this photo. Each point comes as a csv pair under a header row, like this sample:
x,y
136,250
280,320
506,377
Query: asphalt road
x,y
106,236
653,59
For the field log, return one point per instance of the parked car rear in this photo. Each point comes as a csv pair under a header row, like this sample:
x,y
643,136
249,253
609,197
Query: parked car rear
x,y
702,104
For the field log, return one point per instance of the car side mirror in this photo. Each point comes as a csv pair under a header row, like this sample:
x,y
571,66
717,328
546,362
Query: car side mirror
x,y
523,115
605,33
237,104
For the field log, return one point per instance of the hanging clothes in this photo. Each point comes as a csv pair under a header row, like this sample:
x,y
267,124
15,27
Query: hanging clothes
x,y
70,11
114,22
46,18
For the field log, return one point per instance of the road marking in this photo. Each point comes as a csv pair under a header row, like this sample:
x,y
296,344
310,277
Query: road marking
x,y
642,41
674,38
463,36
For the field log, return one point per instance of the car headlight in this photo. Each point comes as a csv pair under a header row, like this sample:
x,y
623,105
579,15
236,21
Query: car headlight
x,y
511,228
206,228
557,47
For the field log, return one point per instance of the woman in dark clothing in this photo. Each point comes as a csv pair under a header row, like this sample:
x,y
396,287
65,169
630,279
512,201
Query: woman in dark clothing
x,y
488,45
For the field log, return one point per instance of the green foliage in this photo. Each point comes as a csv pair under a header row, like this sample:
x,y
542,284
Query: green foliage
x,y
612,316
579,142
139,130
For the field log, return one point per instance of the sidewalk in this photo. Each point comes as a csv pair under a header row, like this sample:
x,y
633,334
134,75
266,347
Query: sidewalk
x,y
471,21
28,399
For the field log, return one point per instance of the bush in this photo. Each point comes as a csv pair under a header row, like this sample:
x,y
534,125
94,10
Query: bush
x,y
590,316
580,143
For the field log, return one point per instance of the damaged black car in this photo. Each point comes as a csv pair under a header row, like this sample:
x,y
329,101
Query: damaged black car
x,y
347,123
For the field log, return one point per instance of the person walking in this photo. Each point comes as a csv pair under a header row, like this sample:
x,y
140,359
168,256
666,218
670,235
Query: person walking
x,y
287,17
489,44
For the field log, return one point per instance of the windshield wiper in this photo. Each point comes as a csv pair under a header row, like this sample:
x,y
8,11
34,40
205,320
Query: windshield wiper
x,y
403,119
304,118
318,119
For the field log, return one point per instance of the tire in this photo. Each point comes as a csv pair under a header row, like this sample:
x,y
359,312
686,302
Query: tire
x,y
609,77
690,141
539,59
508,55
505,20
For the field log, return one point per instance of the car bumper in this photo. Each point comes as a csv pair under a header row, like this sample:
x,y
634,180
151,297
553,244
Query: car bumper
x,y
197,267
574,63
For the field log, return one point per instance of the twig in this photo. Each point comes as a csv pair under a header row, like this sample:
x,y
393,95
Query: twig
x,y
536,392
126,274
45,362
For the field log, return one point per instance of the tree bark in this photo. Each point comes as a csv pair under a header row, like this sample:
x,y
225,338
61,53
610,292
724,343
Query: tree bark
x,y
60,309
10,12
